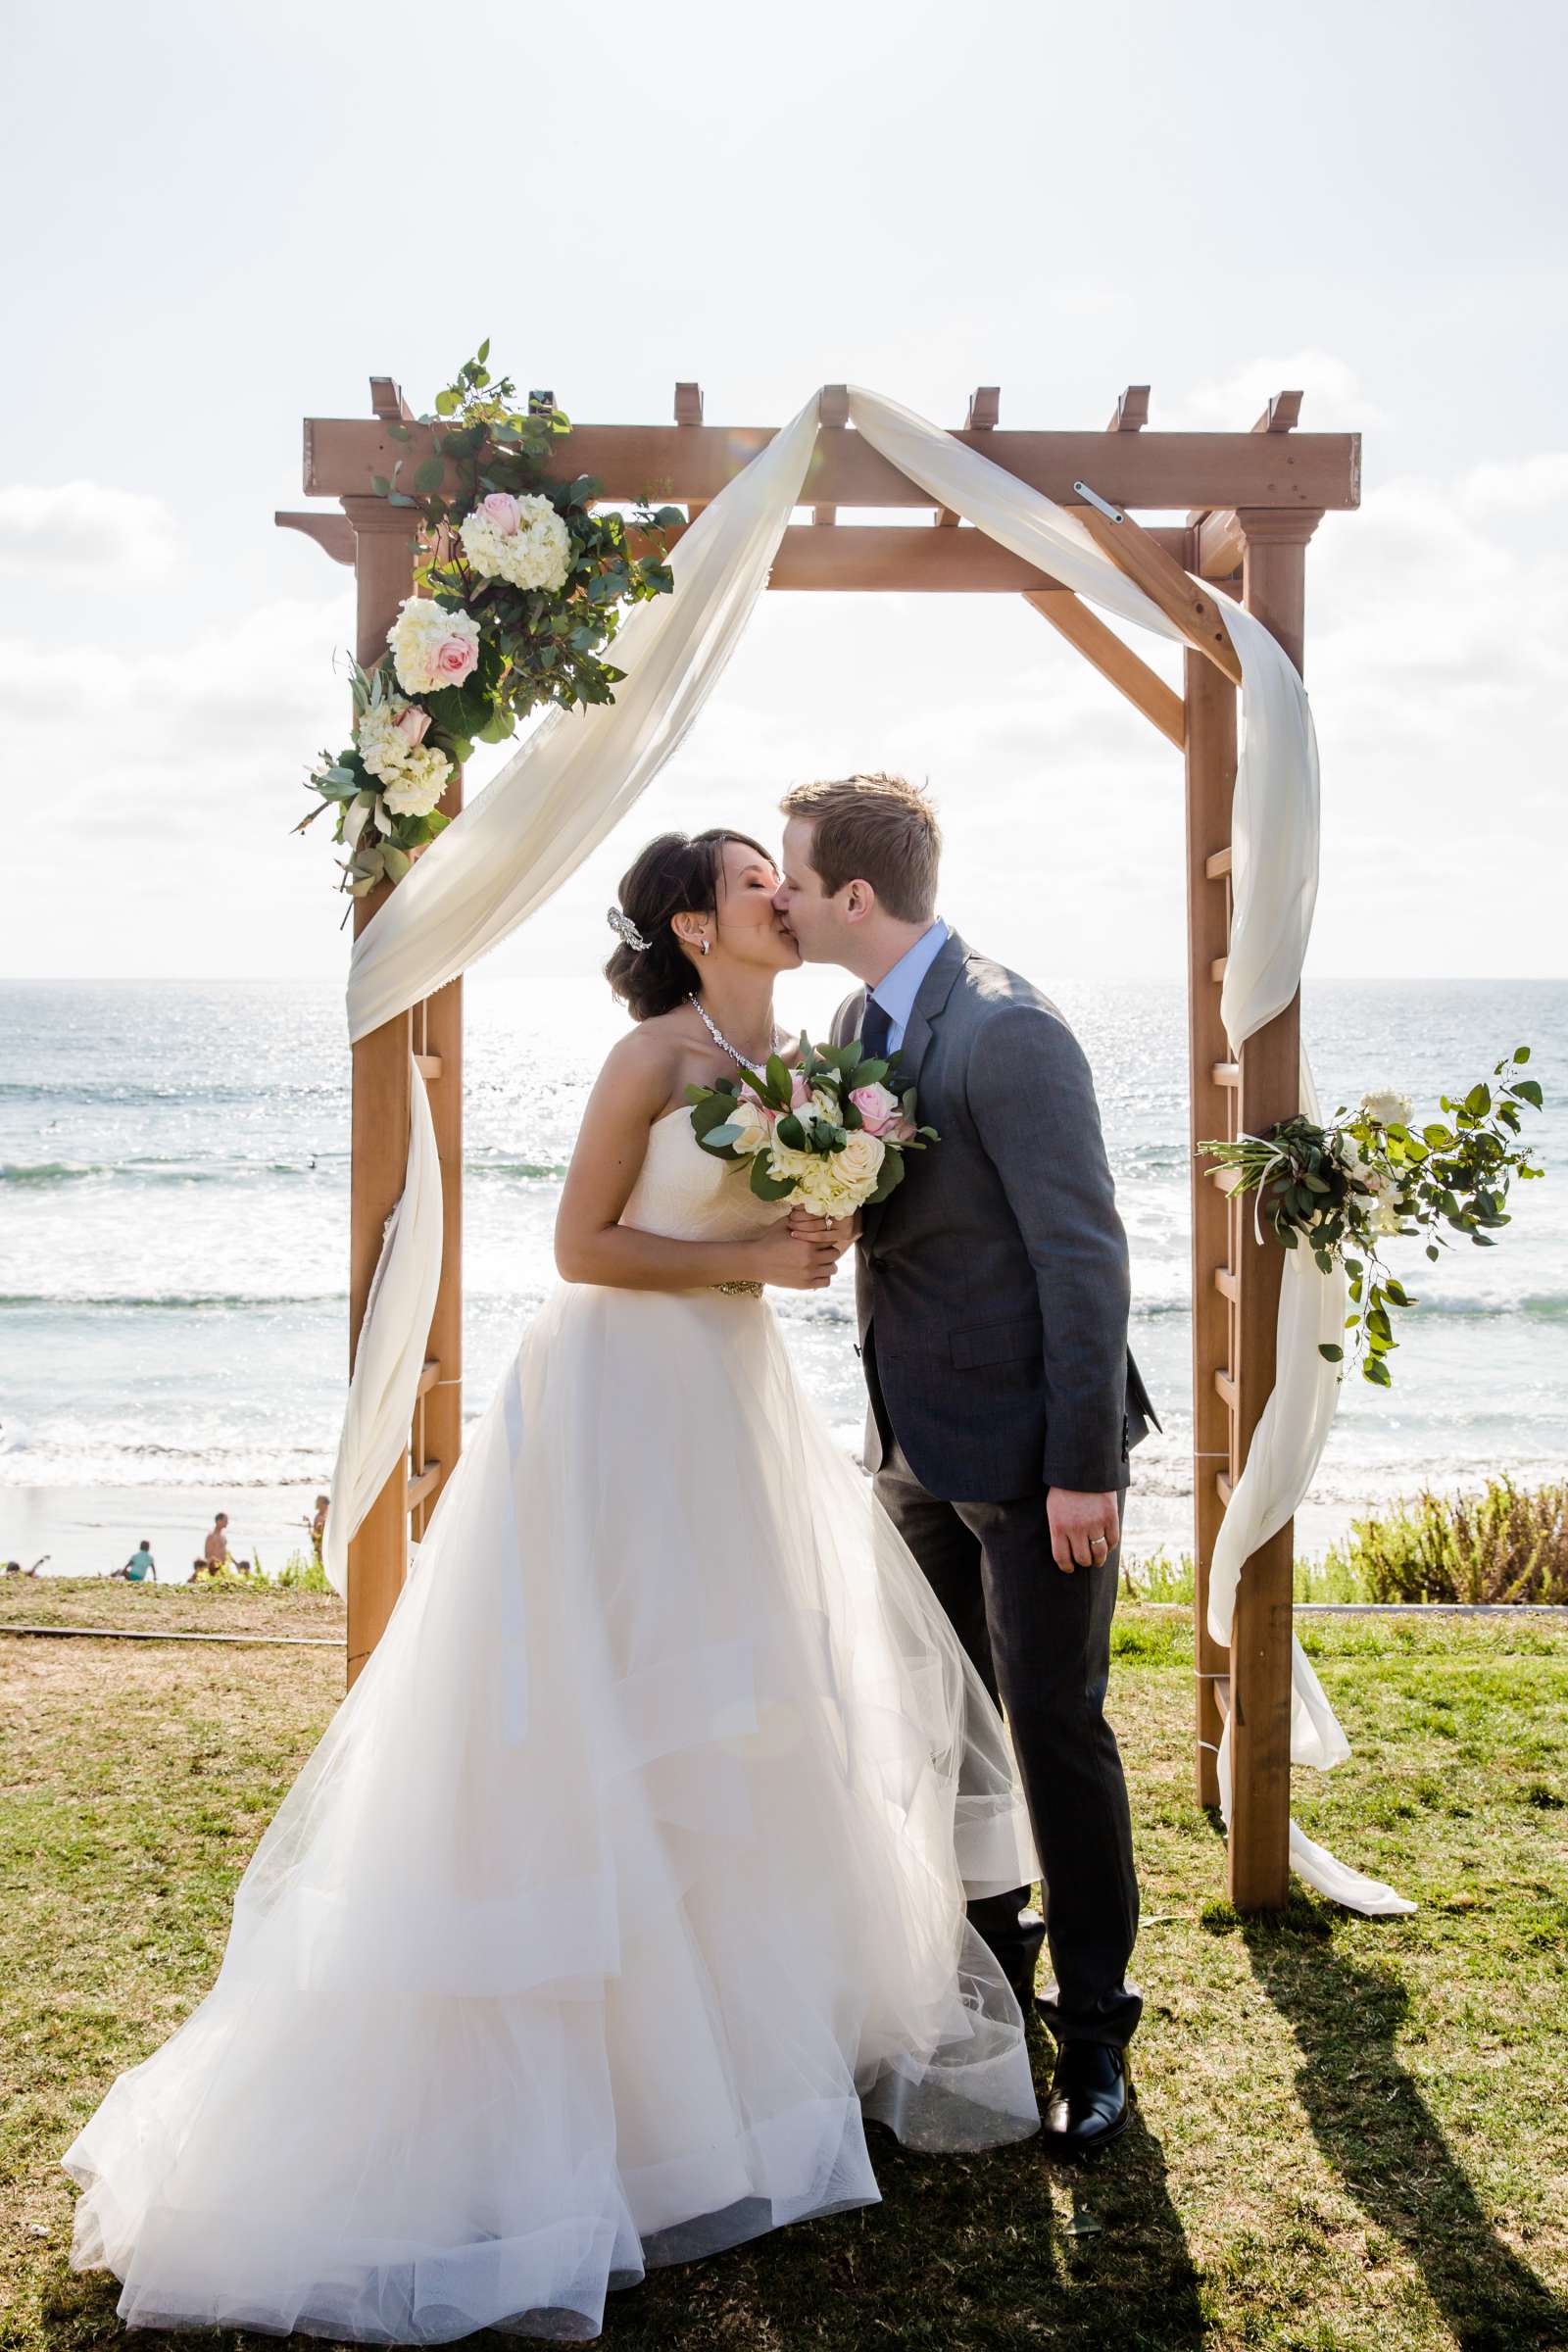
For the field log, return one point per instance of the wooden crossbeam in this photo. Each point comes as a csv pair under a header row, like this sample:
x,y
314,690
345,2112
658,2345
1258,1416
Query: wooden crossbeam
x,y
689,410
985,408
1132,410
1139,554
1281,414
1113,657
833,411
680,461
1221,540
332,532
893,557
387,401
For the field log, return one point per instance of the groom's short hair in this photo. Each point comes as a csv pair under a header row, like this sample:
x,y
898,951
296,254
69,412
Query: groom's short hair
x,y
873,828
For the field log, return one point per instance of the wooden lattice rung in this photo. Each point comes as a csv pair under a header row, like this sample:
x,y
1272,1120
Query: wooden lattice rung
x,y
1227,1285
429,1377
1226,1073
1222,1485
430,1064
1216,970
425,1484
1225,1391
1218,864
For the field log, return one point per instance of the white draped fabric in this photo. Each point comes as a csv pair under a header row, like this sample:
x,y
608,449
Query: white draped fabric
x,y
578,773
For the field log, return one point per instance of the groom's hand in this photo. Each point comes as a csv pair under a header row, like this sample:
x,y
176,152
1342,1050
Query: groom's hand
x,y
1084,1527
840,1231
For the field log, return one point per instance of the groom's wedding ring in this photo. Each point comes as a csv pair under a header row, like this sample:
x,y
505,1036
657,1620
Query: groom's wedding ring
x,y
1098,1543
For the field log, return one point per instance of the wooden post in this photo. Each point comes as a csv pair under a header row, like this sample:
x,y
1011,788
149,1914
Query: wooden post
x,y
441,1406
1210,746
1273,588
384,556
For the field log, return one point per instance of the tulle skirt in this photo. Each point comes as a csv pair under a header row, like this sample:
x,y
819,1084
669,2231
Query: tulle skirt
x,y
624,1885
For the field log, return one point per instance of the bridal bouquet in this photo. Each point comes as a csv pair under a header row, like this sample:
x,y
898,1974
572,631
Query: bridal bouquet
x,y
831,1133
1376,1176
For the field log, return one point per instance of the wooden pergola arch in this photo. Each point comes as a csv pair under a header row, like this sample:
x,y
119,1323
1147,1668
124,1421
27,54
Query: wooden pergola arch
x,y
1252,502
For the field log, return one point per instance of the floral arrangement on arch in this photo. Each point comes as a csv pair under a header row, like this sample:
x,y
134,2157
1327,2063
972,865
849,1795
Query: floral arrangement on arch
x,y
517,595
1345,1187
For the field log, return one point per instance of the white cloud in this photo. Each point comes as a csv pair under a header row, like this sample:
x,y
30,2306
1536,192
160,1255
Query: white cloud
x,y
1334,399
1517,487
83,535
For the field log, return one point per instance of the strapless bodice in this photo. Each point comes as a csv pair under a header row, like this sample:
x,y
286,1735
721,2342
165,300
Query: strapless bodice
x,y
689,1195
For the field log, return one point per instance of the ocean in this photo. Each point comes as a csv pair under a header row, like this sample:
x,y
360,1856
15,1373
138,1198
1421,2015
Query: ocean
x,y
173,1245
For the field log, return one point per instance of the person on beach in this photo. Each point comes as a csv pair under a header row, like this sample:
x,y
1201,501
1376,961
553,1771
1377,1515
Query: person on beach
x,y
317,1527
214,1551
139,1567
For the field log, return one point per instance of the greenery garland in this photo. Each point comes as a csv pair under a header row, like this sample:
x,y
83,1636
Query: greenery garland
x,y
518,596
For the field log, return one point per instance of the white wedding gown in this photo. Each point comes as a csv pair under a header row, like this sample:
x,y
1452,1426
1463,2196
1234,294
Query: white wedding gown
x,y
624,1885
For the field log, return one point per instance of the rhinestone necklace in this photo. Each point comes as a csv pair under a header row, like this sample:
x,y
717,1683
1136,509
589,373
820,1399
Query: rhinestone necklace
x,y
720,1039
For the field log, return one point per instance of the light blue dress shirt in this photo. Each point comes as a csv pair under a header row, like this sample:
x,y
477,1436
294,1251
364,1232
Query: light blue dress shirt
x,y
898,989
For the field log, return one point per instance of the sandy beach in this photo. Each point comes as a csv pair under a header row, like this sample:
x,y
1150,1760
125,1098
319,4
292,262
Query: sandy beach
x,y
90,1531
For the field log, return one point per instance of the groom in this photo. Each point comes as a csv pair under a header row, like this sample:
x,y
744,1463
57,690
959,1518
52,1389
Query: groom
x,y
992,1296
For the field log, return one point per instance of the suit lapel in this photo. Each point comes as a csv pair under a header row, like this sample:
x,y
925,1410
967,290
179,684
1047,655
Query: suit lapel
x,y
930,999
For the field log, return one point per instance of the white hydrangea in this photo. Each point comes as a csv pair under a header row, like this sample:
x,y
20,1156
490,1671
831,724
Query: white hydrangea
x,y
418,784
534,553
383,745
432,647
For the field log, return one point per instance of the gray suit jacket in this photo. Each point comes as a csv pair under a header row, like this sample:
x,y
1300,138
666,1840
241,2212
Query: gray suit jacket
x,y
992,1286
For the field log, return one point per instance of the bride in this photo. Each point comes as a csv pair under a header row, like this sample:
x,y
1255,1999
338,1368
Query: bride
x,y
629,1879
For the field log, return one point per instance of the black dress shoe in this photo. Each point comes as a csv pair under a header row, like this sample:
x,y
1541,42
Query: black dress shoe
x,y
1089,2101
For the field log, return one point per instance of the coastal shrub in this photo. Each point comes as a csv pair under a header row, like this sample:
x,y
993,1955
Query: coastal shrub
x,y
1161,1577
1505,1543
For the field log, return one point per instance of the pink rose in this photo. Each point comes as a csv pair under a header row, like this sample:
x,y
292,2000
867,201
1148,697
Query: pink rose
x,y
455,657
501,509
901,1131
799,1092
411,724
879,1111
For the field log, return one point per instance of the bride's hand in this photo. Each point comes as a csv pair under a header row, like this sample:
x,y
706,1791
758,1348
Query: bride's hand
x,y
795,1261
840,1231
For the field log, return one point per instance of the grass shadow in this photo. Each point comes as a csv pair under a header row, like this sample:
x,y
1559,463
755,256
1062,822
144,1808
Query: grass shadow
x,y
1374,2126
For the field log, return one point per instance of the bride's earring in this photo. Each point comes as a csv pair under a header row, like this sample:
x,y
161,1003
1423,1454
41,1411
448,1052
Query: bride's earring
x,y
703,945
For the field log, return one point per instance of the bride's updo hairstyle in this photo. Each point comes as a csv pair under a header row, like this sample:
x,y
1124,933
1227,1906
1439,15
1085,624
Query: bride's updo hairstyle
x,y
678,873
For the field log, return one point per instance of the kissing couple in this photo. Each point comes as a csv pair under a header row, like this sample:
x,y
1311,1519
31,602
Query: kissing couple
x,y
687,1813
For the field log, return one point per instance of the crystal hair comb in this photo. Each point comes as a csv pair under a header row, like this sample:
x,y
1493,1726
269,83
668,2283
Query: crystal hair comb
x,y
624,927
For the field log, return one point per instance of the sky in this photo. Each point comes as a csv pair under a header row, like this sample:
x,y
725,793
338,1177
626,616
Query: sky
x,y
224,220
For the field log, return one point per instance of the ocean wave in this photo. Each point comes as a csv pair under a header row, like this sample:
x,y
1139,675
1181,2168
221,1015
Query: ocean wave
x,y
179,1300
48,1173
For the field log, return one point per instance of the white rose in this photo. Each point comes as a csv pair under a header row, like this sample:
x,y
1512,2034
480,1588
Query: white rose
x,y
418,784
859,1163
1387,1108
755,1127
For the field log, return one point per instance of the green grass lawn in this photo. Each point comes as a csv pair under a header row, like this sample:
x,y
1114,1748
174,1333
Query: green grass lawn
x,y
1353,2132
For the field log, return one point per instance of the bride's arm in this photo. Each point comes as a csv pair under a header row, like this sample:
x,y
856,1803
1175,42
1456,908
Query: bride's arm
x,y
630,1092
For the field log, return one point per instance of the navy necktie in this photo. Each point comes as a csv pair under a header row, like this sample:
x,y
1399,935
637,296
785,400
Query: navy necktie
x,y
874,1030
